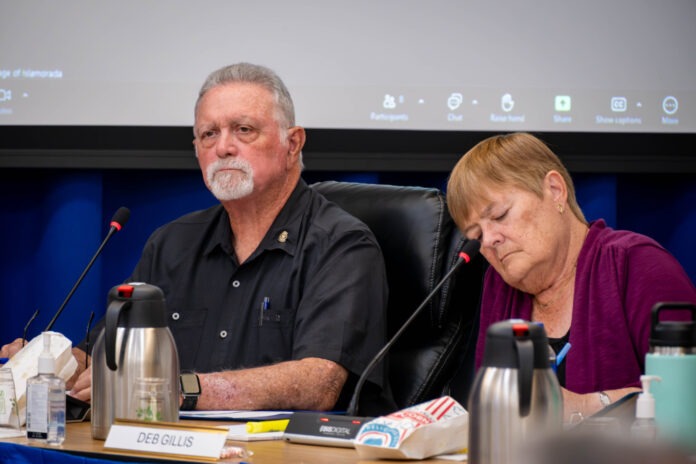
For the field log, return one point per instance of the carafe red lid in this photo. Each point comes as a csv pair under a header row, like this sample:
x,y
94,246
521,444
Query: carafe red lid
x,y
501,348
144,305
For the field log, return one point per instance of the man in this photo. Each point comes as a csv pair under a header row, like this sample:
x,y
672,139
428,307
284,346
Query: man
x,y
277,298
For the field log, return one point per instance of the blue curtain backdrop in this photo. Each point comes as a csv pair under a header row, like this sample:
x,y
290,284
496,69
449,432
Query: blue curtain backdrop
x,y
53,220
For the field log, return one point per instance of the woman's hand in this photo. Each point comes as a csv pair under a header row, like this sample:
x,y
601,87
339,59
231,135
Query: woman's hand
x,y
577,403
589,403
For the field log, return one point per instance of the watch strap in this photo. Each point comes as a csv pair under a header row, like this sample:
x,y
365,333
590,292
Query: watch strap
x,y
189,403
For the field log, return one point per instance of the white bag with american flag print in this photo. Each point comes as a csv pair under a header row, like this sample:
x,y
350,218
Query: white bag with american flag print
x,y
439,426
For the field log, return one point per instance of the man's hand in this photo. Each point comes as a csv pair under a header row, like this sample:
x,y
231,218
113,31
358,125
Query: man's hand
x,y
11,349
80,384
82,388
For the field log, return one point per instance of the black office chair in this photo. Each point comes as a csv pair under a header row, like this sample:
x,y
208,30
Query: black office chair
x,y
420,243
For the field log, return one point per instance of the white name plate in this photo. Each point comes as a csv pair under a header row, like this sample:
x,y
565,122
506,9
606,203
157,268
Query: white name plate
x,y
167,439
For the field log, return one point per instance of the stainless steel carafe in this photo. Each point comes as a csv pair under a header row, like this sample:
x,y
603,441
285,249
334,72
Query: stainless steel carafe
x,y
135,347
516,397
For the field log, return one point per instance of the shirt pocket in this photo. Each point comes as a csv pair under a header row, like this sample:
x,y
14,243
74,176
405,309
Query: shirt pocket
x,y
187,328
273,319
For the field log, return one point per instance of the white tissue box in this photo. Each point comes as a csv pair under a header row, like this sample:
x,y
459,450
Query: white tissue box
x,y
25,364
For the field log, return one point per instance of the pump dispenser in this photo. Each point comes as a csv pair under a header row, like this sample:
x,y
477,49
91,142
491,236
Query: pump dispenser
x,y
46,400
47,365
644,427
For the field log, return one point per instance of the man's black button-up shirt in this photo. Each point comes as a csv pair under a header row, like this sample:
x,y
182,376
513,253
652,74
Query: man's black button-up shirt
x,y
315,287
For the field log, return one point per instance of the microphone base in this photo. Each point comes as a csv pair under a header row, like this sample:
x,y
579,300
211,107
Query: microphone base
x,y
315,428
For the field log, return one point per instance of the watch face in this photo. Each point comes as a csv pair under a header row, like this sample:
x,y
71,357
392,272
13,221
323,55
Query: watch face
x,y
190,384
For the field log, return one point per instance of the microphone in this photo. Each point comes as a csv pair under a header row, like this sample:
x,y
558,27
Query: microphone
x,y
26,327
468,252
119,219
332,430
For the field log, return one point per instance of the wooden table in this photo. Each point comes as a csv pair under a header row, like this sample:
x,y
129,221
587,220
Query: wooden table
x,y
79,440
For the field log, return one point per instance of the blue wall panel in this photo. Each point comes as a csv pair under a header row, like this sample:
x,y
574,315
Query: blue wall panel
x,y
663,208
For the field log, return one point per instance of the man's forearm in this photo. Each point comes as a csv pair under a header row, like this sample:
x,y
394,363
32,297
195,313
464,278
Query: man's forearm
x,y
310,384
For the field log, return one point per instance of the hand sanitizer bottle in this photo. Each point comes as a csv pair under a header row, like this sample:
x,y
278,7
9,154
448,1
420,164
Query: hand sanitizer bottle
x,y
46,401
644,427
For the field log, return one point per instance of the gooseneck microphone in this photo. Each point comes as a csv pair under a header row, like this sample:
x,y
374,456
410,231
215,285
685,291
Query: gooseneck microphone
x,y
468,252
119,219
335,430
26,327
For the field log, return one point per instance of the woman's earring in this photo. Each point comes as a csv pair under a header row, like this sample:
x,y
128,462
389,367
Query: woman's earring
x,y
560,208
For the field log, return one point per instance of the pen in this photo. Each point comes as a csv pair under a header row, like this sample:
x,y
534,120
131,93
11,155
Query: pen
x,y
265,304
562,354
267,426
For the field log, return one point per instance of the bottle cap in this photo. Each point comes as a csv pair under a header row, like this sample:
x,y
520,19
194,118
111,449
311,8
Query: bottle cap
x,y
47,365
673,333
645,406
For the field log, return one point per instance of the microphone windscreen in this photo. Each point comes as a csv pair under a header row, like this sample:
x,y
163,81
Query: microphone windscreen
x,y
120,217
470,250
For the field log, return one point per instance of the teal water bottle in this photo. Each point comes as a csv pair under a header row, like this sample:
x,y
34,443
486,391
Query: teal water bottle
x,y
673,358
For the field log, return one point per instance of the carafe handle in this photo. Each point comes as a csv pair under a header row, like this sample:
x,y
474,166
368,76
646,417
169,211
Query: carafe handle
x,y
525,358
113,313
525,366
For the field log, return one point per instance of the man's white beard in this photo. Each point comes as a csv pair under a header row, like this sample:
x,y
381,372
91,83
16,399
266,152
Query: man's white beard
x,y
230,185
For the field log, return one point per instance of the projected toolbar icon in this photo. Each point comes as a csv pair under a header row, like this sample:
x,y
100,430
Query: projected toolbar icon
x,y
562,103
507,103
670,105
455,101
619,104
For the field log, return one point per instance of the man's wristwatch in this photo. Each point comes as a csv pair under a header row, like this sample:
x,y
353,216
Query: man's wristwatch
x,y
190,389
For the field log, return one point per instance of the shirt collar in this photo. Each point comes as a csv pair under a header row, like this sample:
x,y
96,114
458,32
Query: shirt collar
x,y
283,233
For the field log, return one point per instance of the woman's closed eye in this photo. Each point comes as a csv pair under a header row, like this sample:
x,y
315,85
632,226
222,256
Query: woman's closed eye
x,y
501,216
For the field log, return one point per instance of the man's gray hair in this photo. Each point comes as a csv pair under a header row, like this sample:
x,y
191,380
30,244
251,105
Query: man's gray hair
x,y
254,74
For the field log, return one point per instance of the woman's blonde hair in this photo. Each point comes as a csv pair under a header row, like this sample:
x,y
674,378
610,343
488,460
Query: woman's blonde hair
x,y
518,159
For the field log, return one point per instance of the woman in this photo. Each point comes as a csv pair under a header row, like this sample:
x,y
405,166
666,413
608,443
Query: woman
x,y
588,284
